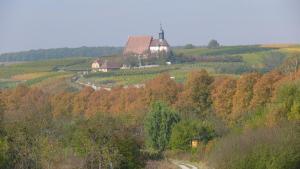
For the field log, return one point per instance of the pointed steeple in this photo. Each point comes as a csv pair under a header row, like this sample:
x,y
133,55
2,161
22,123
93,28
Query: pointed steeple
x,y
161,33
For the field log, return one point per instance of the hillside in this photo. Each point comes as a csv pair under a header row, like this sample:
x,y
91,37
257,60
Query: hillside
x,y
227,60
44,54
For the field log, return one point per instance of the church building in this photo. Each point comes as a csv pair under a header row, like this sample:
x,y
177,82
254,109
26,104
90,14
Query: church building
x,y
147,46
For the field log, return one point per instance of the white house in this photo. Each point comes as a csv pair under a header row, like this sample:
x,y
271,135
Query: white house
x,y
96,64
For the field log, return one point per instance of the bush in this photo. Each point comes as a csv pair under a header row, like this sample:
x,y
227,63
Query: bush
x,y
184,131
189,46
234,69
286,104
265,148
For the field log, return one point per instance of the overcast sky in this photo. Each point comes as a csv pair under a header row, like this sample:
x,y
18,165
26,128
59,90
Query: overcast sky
x,y
35,24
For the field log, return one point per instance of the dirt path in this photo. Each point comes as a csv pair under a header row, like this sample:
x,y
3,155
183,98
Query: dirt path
x,y
184,165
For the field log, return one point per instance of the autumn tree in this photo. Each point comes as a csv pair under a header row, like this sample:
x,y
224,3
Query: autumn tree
x,y
129,100
222,96
264,89
195,97
80,100
161,88
243,94
62,105
14,97
98,103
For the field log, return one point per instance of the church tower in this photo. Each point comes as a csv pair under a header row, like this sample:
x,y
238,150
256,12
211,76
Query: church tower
x,y
161,33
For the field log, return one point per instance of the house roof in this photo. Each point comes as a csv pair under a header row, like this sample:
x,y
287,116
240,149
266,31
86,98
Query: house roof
x,y
159,42
110,65
138,45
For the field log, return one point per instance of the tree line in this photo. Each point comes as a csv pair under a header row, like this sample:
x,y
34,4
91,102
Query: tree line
x,y
44,54
124,127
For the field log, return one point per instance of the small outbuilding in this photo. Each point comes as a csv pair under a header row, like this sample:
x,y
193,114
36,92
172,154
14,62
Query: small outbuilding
x,y
105,66
109,66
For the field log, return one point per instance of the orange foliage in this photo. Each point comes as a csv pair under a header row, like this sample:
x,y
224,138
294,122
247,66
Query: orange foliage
x,y
243,94
98,102
62,104
161,88
24,101
80,100
229,97
264,89
222,96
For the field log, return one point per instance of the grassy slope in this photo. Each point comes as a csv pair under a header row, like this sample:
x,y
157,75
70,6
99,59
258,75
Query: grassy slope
x,y
32,73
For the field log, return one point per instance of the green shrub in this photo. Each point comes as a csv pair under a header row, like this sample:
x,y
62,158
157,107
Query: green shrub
x,y
184,131
287,101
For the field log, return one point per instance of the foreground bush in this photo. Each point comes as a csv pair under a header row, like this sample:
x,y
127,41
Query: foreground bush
x,y
266,148
184,131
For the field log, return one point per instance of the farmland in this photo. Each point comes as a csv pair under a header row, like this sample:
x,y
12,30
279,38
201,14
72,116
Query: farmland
x,y
32,73
250,58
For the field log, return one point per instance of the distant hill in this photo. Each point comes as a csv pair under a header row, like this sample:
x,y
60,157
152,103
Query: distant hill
x,y
43,54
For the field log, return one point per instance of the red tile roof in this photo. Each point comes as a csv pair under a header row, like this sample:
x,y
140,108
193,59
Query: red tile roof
x,y
138,45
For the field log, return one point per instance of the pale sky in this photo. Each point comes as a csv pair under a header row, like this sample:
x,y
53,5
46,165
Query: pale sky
x,y
35,24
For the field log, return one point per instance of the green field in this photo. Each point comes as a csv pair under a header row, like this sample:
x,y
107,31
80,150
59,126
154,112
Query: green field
x,y
137,76
32,73
253,58
227,50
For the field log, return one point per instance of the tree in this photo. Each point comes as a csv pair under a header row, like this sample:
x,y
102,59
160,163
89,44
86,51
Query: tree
x,y
184,131
243,94
195,97
189,46
222,96
81,99
62,105
131,61
158,125
93,139
264,89
213,44
162,88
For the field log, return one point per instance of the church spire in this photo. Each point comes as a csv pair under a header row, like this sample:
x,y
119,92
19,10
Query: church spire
x,y
161,33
